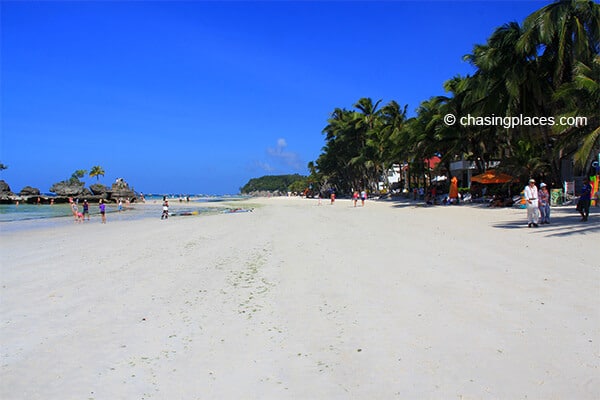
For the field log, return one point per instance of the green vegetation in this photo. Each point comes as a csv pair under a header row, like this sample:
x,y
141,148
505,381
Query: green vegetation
x,y
299,186
97,171
77,175
547,67
271,183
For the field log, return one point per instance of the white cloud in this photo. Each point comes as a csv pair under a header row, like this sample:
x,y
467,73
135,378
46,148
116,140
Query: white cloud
x,y
280,155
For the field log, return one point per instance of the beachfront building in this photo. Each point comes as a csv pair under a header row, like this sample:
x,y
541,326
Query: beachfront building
x,y
392,178
464,170
397,177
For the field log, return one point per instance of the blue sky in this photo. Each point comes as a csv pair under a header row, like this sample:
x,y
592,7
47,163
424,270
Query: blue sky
x,y
199,97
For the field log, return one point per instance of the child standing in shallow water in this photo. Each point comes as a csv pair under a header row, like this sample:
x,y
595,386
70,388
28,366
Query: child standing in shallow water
x,y
86,210
102,207
78,216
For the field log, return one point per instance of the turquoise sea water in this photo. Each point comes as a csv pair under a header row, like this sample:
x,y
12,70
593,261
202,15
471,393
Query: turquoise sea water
x,y
29,216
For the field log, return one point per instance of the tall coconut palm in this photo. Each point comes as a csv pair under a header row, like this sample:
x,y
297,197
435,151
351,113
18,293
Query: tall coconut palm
x,y
390,140
422,130
366,126
563,32
97,171
582,98
558,37
546,67
343,145
509,83
383,139
368,111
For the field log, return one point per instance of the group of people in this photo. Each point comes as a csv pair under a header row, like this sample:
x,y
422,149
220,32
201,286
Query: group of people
x,y
355,197
363,197
80,216
538,203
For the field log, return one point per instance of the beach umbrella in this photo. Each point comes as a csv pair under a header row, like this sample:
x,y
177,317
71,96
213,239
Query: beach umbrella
x,y
453,188
492,177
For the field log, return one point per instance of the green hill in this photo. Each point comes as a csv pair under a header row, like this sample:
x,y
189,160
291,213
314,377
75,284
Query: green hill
x,y
273,183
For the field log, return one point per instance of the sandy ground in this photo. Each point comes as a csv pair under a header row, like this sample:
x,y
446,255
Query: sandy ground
x,y
300,301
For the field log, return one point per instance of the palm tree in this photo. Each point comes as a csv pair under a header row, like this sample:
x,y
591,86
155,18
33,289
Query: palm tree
x,y
508,83
549,66
525,160
558,37
96,171
368,111
341,147
582,98
382,140
421,142
366,127
564,32
392,132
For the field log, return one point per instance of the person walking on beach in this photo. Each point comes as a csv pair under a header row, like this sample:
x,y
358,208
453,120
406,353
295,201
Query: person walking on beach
x,y
165,213
363,197
355,197
102,207
544,204
86,210
531,201
120,205
332,197
583,205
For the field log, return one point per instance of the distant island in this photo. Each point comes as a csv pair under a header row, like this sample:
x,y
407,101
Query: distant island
x,y
276,184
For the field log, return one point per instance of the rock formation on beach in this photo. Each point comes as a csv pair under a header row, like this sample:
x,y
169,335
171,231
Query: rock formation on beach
x,y
5,192
98,189
121,189
29,191
70,188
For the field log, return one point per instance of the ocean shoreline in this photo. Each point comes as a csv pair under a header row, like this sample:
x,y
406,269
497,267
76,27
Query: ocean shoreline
x,y
15,217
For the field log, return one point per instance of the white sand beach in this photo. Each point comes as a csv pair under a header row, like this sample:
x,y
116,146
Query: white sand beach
x,y
300,301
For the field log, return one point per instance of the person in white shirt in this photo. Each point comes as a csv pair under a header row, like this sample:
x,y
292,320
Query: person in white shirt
x,y
531,199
